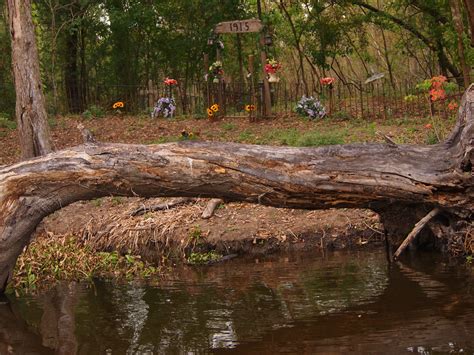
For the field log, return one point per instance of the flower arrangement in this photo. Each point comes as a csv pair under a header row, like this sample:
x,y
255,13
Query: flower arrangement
x,y
452,106
170,82
310,107
437,88
272,66
165,106
327,81
216,71
211,111
118,104
250,108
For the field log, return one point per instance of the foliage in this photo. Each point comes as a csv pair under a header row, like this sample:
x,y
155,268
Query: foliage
x,y
310,107
203,258
5,122
93,112
67,259
108,49
165,106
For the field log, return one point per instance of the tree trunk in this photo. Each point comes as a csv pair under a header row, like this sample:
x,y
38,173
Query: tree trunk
x,y
400,182
71,72
458,25
30,106
469,4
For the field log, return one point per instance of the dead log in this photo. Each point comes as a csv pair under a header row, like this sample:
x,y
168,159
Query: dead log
x,y
414,233
402,183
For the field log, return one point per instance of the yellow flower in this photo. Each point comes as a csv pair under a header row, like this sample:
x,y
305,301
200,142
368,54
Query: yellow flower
x,y
210,113
118,104
215,107
249,108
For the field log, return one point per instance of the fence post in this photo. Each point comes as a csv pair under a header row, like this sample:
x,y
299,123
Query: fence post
x,y
267,109
361,99
252,88
150,92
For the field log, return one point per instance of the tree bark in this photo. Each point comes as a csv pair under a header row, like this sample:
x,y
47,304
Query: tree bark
x,y
470,16
400,182
30,105
458,25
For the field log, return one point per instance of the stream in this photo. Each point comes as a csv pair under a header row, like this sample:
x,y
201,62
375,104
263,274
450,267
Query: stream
x,y
285,303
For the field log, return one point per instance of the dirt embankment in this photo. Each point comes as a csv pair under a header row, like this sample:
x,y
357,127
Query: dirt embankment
x,y
236,228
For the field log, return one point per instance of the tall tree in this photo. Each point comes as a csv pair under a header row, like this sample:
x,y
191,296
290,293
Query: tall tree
x,y
30,105
470,15
458,25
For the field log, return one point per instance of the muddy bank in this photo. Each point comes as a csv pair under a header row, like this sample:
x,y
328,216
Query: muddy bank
x,y
101,238
236,228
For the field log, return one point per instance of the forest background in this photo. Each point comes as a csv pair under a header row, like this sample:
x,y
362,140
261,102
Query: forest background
x,y
112,49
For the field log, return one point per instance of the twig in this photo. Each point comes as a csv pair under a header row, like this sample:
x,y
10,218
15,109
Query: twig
x,y
162,206
417,229
211,207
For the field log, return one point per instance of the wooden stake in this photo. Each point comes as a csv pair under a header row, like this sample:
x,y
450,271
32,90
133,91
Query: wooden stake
x,y
206,72
220,96
252,87
416,230
267,100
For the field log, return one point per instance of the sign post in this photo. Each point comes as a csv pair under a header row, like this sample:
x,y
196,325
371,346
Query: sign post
x,y
249,26
243,26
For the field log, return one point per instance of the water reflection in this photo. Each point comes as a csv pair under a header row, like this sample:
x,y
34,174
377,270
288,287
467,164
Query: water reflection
x,y
296,304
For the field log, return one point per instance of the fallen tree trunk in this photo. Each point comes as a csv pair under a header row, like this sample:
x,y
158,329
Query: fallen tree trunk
x,y
402,183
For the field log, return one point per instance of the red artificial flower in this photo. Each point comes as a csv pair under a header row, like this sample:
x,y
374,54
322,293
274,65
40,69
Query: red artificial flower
x,y
327,81
437,81
272,67
452,106
170,82
437,94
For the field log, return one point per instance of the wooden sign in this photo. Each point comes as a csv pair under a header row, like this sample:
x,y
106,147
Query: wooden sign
x,y
243,26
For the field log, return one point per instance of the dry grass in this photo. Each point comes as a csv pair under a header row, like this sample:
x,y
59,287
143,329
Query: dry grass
x,y
462,243
138,235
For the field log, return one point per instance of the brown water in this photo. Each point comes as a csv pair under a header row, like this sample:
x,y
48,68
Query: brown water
x,y
295,304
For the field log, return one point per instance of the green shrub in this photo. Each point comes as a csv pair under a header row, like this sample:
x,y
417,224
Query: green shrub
x,y
93,112
6,122
432,138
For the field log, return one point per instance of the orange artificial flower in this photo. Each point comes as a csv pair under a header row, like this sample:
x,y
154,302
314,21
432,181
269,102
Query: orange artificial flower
x,y
437,94
118,104
452,106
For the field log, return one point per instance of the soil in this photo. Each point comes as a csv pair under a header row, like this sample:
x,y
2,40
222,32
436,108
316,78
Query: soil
x,y
235,228
107,224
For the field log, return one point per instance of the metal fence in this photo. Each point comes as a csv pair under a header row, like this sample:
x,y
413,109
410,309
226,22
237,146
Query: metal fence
x,y
376,100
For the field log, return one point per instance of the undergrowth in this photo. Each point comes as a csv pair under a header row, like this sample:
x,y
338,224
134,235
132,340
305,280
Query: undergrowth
x,y
48,260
